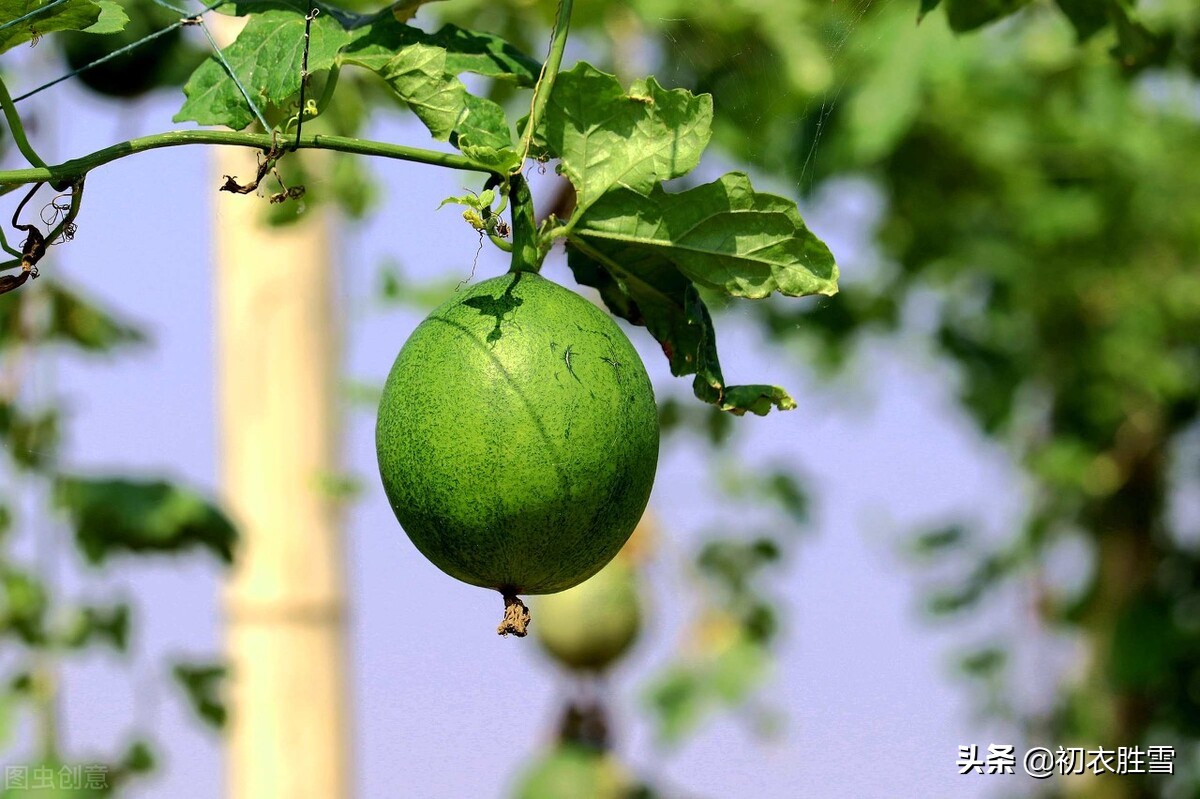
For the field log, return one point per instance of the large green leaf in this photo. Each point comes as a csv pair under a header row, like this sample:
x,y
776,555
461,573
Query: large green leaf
x,y
723,235
267,58
72,15
112,515
421,67
608,138
419,74
644,252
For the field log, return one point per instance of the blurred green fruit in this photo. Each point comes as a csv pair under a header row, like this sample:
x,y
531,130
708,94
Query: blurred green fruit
x,y
592,625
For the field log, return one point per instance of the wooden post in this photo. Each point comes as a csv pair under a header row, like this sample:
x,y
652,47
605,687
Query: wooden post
x,y
277,353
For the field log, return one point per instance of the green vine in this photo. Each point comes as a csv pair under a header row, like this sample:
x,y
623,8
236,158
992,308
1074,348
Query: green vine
x,y
527,251
60,175
545,83
17,128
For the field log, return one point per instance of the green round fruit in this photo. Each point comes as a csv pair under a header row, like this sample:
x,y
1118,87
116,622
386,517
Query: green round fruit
x,y
590,626
518,437
573,772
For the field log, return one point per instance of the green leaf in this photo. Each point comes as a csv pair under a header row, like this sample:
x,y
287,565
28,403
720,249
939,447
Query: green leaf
x,y
967,15
378,40
739,670
138,759
418,76
266,57
476,201
113,18
608,138
723,235
1137,46
930,543
201,683
645,252
1088,17
678,699
658,297
94,623
30,437
889,96
926,7
72,320
735,563
1143,652
984,662
347,19
485,54
420,67
112,515
23,605
73,15
483,133
423,76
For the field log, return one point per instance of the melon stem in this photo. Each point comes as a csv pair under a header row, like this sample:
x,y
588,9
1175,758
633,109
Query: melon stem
x,y
516,617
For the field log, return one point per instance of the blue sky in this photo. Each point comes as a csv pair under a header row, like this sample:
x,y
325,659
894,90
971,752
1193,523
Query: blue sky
x,y
864,684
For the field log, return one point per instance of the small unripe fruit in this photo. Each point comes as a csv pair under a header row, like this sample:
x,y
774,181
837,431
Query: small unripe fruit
x,y
591,626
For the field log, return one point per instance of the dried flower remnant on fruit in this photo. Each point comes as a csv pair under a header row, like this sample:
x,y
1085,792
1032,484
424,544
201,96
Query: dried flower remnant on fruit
x,y
516,617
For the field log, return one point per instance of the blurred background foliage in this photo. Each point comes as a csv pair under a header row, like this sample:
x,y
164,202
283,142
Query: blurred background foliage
x,y
53,518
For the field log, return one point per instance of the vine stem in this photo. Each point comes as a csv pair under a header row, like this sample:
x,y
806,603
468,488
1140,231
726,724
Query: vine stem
x,y
527,250
8,248
18,130
308,20
545,82
59,175
57,231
